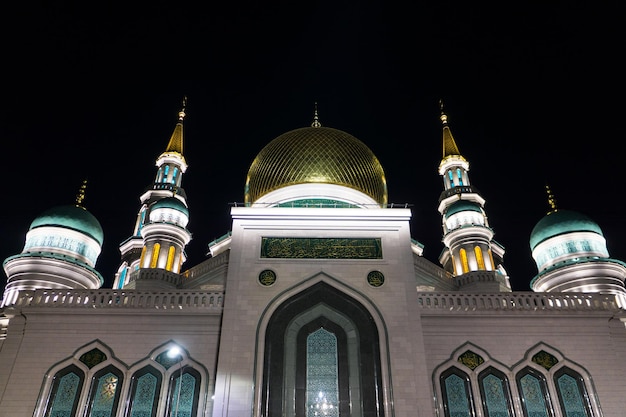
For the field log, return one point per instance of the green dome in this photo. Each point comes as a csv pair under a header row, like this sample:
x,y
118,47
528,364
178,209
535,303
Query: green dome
x,y
316,155
559,222
462,205
171,203
71,217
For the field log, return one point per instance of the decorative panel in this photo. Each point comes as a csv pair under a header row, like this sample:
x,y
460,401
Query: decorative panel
x,y
184,396
321,248
572,394
104,399
545,359
533,393
457,394
322,385
66,391
145,393
93,357
494,388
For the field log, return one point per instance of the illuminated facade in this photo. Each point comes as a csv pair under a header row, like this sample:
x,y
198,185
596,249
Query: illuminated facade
x,y
317,302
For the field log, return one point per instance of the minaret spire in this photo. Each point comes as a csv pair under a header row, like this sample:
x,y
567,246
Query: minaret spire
x,y
176,140
551,200
449,145
316,120
80,197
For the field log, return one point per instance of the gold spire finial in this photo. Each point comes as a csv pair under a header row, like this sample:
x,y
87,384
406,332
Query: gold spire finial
x,y
80,197
443,117
551,200
316,120
181,113
176,140
449,145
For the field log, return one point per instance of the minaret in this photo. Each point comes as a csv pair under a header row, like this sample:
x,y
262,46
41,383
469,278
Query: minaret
x,y
470,253
160,235
61,249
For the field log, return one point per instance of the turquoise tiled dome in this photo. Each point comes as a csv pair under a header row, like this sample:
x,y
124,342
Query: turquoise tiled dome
x,y
171,203
71,217
559,222
462,205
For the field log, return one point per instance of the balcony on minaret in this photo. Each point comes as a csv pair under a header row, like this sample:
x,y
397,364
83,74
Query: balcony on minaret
x,y
153,279
483,281
462,189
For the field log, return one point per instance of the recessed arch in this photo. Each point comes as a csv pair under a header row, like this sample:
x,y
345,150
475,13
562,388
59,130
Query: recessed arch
x,y
321,306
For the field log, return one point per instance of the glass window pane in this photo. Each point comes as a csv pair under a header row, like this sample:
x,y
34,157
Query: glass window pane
x,y
322,388
104,398
184,396
145,393
533,392
456,393
496,395
572,394
65,392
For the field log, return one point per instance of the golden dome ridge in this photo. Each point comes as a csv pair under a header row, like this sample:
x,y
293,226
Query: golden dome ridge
x,y
319,155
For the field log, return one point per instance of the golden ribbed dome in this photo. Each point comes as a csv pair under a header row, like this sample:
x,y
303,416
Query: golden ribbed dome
x,y
316,155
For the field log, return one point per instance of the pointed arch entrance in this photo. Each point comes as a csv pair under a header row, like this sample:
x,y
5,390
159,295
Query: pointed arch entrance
x,y
322,353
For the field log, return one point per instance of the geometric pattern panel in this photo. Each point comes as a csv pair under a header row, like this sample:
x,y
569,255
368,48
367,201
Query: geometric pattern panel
x,y
496,396
571,395
457,395
533,393
65,394
183,396
145,395
322,385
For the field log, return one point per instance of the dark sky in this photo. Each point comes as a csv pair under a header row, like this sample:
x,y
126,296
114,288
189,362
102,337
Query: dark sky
x,y
533,91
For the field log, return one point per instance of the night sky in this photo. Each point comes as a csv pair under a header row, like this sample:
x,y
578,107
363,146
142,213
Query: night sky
x,y
533,93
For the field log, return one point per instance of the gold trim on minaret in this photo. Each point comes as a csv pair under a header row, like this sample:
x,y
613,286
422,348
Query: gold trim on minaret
x,y
176,140
449,145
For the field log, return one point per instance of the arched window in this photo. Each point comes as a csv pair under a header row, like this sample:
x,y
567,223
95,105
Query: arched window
x,y
534,394
145,388
65,393
184,393
322,385
104,393
457,393
573,396
322,327
495,393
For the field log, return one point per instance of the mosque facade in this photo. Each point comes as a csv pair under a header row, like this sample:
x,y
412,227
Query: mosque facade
x,y
317,302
